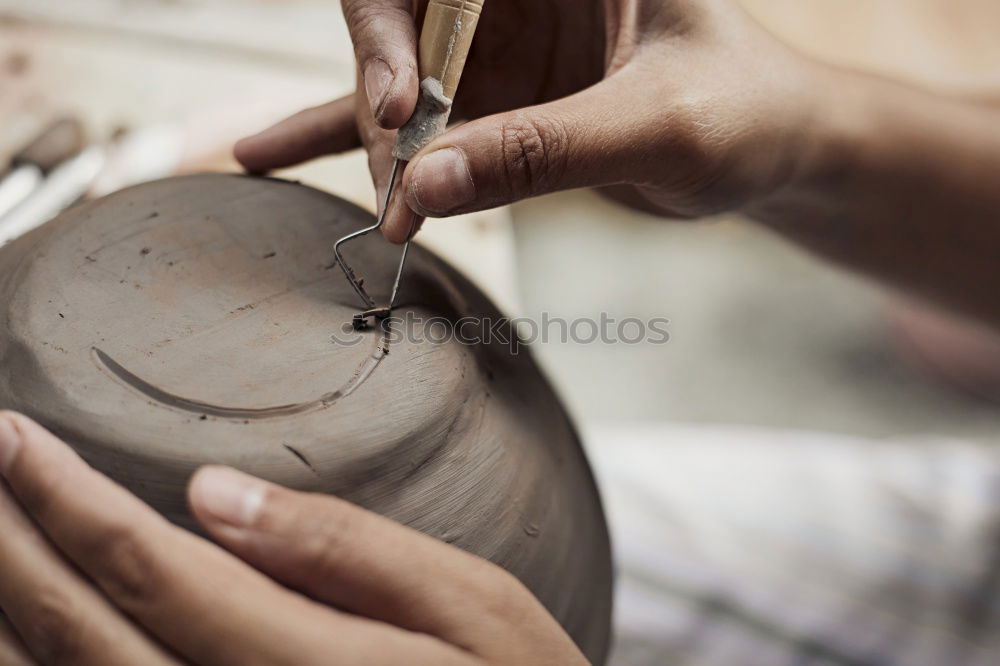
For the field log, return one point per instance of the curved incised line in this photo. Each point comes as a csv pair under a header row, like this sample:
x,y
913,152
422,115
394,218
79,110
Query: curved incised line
x,y
168,399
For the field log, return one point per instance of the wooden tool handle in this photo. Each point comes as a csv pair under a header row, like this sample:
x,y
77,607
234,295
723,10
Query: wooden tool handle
x,y
446,39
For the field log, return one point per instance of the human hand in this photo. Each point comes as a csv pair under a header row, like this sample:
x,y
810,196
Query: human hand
x,y
683,107
90,575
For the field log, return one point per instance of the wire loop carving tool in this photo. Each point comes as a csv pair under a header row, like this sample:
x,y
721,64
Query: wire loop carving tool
x,y
445,40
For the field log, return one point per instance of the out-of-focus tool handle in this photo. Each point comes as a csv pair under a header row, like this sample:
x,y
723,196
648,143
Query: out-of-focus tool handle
x,y
445,41
60,141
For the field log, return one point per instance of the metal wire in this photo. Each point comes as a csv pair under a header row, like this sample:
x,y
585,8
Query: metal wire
x,y
402,261
357,284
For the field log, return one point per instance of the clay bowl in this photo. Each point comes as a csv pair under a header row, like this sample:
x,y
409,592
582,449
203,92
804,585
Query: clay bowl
x,y
191,321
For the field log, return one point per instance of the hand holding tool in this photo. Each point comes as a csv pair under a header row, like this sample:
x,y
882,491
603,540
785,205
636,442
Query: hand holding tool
x,y
445,41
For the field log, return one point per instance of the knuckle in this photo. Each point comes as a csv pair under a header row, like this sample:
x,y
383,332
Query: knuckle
x,y
55,631
361,18
331,548
700,143
505,597
694,133
534,153
128,569
375,27
326,530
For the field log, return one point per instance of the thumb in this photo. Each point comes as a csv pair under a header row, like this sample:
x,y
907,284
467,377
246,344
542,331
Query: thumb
x,y
580,141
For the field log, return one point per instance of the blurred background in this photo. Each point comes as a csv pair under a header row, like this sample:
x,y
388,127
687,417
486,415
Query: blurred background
x,y
762,335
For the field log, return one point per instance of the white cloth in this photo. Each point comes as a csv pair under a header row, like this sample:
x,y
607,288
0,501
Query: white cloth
x,y
750,547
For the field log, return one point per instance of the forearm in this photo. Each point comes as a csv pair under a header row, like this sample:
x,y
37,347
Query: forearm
x,y
904,185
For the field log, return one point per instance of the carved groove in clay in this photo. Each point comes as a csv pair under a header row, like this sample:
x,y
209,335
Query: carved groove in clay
x,y
168,399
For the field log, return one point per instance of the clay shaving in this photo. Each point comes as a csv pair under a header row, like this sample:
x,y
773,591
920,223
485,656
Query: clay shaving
x,y
428,120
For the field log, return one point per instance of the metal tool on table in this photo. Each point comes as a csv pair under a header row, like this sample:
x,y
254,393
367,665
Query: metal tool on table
x,y
445,41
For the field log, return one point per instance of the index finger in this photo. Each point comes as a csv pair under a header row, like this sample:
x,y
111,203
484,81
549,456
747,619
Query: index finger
x,y
384,34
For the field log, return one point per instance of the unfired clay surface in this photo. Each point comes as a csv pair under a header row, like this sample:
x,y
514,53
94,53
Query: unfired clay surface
x,y
189,321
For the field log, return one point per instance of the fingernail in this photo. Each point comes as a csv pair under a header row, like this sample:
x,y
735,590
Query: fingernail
x,y
230,496
378,81
442,183
10,443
